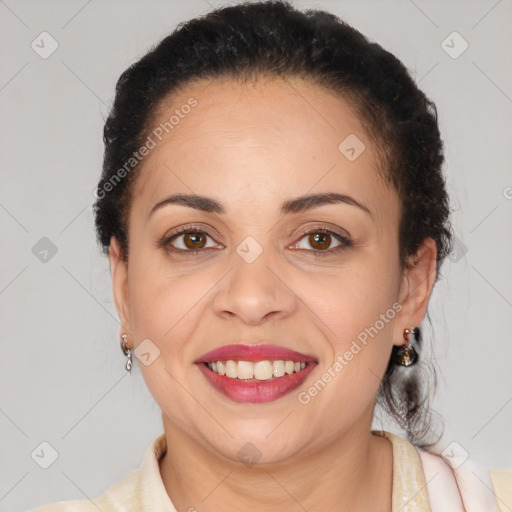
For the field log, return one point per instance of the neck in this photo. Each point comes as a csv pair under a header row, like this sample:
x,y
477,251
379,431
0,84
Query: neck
x,y
354,473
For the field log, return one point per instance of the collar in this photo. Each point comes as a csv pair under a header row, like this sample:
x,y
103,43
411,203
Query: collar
x,y
153,495
409,486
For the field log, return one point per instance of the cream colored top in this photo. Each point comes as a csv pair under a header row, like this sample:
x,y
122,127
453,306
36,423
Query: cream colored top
x,y
143,490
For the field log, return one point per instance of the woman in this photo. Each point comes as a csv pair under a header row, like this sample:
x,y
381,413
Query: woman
x,y
275,216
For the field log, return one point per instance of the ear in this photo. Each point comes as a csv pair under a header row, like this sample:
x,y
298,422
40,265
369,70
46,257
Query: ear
x,y
417,283
119,275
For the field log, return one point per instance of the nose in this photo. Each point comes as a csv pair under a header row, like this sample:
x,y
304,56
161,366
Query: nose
x,y
255,291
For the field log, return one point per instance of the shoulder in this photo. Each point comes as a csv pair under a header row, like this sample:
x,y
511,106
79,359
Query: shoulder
x,y
452,477
122,496
142,489
480,487
502,482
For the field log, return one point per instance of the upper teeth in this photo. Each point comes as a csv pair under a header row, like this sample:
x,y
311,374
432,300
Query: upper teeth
x,y
259,370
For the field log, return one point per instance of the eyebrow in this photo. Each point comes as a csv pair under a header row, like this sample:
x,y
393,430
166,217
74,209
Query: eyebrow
x,y
293,205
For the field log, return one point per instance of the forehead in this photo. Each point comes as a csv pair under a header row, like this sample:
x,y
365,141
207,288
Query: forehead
x,y
267,135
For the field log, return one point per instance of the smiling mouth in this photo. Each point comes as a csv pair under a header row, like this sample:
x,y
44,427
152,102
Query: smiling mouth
x,y
254,371
257,372
256,382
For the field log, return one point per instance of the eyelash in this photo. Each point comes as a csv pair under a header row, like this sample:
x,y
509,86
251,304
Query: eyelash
x,y
165,242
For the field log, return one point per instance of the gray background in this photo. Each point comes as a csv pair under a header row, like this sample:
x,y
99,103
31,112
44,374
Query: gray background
x,y
62,376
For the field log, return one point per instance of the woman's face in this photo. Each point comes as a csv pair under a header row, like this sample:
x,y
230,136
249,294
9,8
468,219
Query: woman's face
x,y
319,278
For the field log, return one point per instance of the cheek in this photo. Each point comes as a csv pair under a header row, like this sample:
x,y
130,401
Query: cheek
x,y
153,299
347,382
355,297
361,339
358,309
166,307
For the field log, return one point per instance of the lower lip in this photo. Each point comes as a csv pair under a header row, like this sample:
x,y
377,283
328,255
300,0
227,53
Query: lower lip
x,y
256,391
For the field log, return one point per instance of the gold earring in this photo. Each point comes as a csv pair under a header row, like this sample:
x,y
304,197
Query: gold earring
x,y
407,354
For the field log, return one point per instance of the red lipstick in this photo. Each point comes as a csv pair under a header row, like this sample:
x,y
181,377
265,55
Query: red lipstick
x,y
254,353
253,390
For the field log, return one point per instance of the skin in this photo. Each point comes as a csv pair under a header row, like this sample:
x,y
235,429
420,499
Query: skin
x,y
251,146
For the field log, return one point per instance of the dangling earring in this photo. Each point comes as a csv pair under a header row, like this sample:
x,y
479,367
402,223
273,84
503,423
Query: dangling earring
x,y
407,355
127,352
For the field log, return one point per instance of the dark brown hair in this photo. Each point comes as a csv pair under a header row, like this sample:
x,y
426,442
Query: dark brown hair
x,y
273,38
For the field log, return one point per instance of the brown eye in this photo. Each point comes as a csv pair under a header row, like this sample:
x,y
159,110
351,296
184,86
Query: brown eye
x,y
188,240
320,241
194,240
